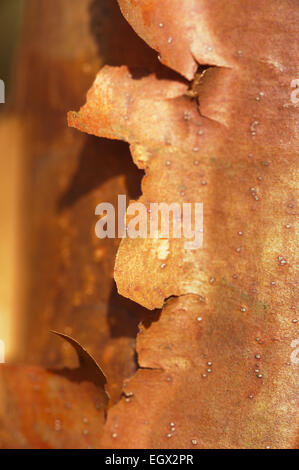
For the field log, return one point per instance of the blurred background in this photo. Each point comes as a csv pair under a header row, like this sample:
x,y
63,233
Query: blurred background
x,y
10,23
54,273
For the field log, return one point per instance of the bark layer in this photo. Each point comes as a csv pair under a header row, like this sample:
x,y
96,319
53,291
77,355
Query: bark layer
x,y
231,144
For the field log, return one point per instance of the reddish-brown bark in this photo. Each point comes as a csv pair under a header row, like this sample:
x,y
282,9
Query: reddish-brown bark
x,y
232,148
215,368
42,410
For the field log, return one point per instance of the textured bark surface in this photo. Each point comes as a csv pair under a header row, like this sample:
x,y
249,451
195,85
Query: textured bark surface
x,y
42,410
199,385
231,143
215,365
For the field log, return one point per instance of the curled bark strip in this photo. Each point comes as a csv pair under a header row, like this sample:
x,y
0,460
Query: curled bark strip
x,y
88,369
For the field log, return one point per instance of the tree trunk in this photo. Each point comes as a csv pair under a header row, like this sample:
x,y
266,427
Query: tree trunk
x,y
67,281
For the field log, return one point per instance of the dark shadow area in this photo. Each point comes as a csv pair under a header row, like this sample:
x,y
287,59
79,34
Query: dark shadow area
x,y
118,44
100,160
124,315
152,317
161,73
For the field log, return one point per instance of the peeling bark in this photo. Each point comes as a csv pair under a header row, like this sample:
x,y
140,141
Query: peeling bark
x,y
231,146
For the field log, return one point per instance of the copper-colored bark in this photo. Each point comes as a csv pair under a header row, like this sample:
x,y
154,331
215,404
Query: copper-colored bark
x,y
43,410
233,148
215,366
216,381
